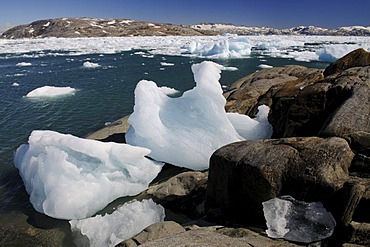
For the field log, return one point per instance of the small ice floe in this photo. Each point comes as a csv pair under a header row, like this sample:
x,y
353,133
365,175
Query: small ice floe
x,y
109,230
265,66
297,221
23,64
167,64
15,84
229,68
50,91
88,64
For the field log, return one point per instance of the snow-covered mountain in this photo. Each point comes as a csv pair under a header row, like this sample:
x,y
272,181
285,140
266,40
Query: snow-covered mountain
x,y
93,27
300,30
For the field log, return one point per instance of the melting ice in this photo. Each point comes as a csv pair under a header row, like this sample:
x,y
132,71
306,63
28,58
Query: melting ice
x,y
72,178
185,131
50,91
297,221
109,230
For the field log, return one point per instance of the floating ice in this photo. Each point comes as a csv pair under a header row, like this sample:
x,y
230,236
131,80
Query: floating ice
x,y
331,53
72,178
50,91
265,66
23,64
233,48
184,131
15,84
168,90
88,64
167,64
301,48
229,68
297,221
109,230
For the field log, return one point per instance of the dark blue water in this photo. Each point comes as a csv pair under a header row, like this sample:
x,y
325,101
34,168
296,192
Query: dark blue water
x,y
103,94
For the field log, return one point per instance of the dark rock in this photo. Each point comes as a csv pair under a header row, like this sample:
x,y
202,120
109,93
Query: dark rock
x,y
356,58
242,175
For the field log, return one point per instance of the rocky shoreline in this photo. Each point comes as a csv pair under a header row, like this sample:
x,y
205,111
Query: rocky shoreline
x,y
319,152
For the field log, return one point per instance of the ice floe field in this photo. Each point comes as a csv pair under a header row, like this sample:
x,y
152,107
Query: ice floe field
x,y
68,88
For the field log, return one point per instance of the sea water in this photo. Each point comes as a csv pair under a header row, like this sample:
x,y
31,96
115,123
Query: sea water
x,y
103,94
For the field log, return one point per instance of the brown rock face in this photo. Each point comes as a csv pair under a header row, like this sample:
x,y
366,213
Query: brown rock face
x,y
242,175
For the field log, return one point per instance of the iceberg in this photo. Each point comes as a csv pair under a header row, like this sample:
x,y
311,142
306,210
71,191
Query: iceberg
x,y
124,223
73,178
224,49
23,64
88,64
297,220
50,91
185,131
331,53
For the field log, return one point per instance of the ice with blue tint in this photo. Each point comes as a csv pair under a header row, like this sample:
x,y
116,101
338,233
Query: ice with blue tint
x,y
73,178
226,48
185,131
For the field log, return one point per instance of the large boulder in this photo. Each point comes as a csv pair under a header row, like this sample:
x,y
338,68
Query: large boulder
x,y
242,175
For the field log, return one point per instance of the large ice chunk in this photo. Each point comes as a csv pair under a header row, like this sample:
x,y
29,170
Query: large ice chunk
x,y
224,49
184,131
109,230
331,53
297,220
50,91
72,178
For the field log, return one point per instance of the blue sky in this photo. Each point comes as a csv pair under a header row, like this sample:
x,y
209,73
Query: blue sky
x,y
271,13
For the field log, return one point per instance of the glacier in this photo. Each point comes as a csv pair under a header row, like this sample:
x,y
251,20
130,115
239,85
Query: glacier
x,y
297,221
186,130
109,230
73,178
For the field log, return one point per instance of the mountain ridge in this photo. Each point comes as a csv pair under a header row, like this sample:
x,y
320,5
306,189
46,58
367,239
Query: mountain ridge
x,y
95,27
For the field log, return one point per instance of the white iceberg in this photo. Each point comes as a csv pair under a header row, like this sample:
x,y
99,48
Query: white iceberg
x,y
297,221
50,91
109,230
167,64
88,64
72,178
23,64
331,53
264,66
184,131
224,49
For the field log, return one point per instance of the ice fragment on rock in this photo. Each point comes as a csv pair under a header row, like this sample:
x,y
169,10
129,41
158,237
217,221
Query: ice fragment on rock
x,y
109,230
297,220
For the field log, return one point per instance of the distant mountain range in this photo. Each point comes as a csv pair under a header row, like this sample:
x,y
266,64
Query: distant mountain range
x,y
92,27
